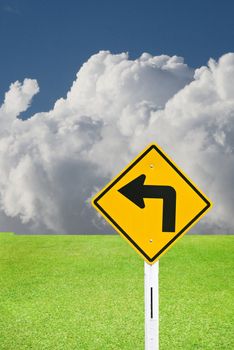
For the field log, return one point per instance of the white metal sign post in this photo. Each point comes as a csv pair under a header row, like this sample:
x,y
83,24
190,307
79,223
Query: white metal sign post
x,y
151,306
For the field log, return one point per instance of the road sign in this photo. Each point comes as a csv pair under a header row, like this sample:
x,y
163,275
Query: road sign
x,y
151,203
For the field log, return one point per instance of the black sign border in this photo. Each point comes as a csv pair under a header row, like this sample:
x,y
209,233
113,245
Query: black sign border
x,y
208,204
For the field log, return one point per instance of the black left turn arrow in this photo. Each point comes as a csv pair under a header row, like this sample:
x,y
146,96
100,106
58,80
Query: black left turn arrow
x,y
136,191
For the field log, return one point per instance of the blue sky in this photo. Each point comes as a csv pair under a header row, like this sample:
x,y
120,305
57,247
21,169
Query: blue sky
x,y
50,39
52,164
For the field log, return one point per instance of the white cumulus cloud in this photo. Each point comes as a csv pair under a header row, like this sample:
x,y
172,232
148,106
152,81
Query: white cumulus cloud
x,y
52,163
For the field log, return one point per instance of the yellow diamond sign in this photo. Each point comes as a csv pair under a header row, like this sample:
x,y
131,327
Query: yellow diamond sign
x,y
151,203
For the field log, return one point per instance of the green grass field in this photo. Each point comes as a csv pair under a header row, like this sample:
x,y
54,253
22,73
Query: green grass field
x,y
86,292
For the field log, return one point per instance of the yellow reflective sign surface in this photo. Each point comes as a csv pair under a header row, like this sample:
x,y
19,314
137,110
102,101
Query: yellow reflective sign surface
x,y
151,203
